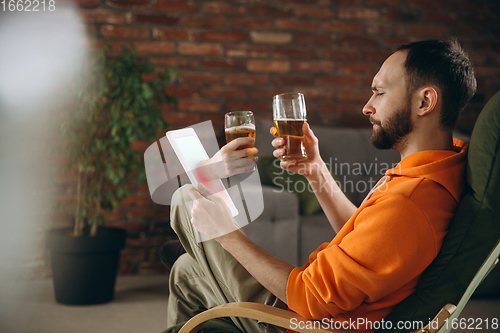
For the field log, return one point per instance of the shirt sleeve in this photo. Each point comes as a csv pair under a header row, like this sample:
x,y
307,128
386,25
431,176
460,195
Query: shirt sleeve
x,y
391,243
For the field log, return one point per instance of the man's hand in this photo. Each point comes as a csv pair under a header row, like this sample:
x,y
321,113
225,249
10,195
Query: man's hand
x,y
230,160
210,214
304,167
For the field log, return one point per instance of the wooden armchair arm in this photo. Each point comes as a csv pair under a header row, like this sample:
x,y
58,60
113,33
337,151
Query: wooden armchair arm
x,y
283,318
265,313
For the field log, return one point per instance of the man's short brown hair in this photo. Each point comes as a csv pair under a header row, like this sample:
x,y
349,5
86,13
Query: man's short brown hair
x,y
445,65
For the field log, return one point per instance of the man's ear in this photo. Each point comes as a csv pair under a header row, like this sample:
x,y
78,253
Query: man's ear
x,y
427,99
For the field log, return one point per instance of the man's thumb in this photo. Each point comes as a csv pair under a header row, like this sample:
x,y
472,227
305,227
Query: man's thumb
x,y
308,131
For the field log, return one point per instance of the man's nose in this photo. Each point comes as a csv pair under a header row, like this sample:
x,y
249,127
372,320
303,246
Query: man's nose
x,y
368,109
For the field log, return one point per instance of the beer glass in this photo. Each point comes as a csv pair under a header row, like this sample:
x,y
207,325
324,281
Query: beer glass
x,y
240,124
289,113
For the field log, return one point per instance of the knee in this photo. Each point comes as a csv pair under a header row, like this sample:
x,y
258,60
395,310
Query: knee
x,y
180,196
184,268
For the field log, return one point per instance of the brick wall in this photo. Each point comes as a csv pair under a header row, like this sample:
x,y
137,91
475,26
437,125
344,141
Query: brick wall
x,y
235,55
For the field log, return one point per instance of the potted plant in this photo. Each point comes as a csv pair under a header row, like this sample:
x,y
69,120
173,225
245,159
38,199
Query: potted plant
x,y
116,102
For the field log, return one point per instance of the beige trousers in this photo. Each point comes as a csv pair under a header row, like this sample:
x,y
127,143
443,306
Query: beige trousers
x,y
207,275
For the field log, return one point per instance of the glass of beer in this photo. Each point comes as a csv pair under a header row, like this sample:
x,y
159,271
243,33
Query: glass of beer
x,y
289,113
240,124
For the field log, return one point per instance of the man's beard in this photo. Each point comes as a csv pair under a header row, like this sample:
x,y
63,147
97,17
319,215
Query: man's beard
x,y
395,129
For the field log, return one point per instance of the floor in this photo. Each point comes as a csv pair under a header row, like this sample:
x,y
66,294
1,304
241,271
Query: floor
x,y
140,306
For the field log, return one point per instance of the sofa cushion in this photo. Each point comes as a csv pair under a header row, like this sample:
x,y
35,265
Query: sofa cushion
x,y
292,182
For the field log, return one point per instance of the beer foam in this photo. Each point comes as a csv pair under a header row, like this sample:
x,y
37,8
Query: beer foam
x,y
240,127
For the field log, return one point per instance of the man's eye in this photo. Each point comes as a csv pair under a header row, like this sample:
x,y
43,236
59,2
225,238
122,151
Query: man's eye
x,y
380,94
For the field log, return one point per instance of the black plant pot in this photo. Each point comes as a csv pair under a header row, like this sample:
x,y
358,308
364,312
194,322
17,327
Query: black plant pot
x,y
84,268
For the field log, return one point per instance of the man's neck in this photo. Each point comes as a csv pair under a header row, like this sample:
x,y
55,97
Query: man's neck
x,y
414,143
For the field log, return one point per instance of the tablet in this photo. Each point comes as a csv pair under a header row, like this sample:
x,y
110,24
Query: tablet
x,y
190,151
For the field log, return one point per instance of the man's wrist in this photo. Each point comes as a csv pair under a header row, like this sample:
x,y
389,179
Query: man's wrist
x,y
230,238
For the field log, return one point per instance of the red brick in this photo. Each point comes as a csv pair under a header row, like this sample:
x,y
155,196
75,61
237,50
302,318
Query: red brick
x,y
256,107
272,66
126,268
149,268
293,80
200,49
246,79
466,5
399,16
360,41
132,255
384,3
200,78
376,55
358,14
114,214
132,227
266,94
315,12
427,30
314,39
223,36
174,61
466,30
356,67
124,31
247,51
155,47
222,64
224,91
175,34
426,4
155,19
302,2
395,41
222,8
175,6
274,11
203,22
341,26
294,24
339,81
128,3
144,240
251,23
198,105
338,54
385,29
177,118
140,146
293,52
313,66
270,37
441,17
87,3
102,16
331,107
487,71
178,91
316,93
354,96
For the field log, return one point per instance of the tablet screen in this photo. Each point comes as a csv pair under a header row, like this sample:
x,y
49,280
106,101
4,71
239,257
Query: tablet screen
x,y
194,153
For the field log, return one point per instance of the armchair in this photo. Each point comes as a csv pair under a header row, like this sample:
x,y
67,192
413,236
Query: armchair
x,y
469,252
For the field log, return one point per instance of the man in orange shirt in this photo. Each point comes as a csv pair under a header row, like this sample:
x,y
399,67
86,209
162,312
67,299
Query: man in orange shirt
x,y
382,247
